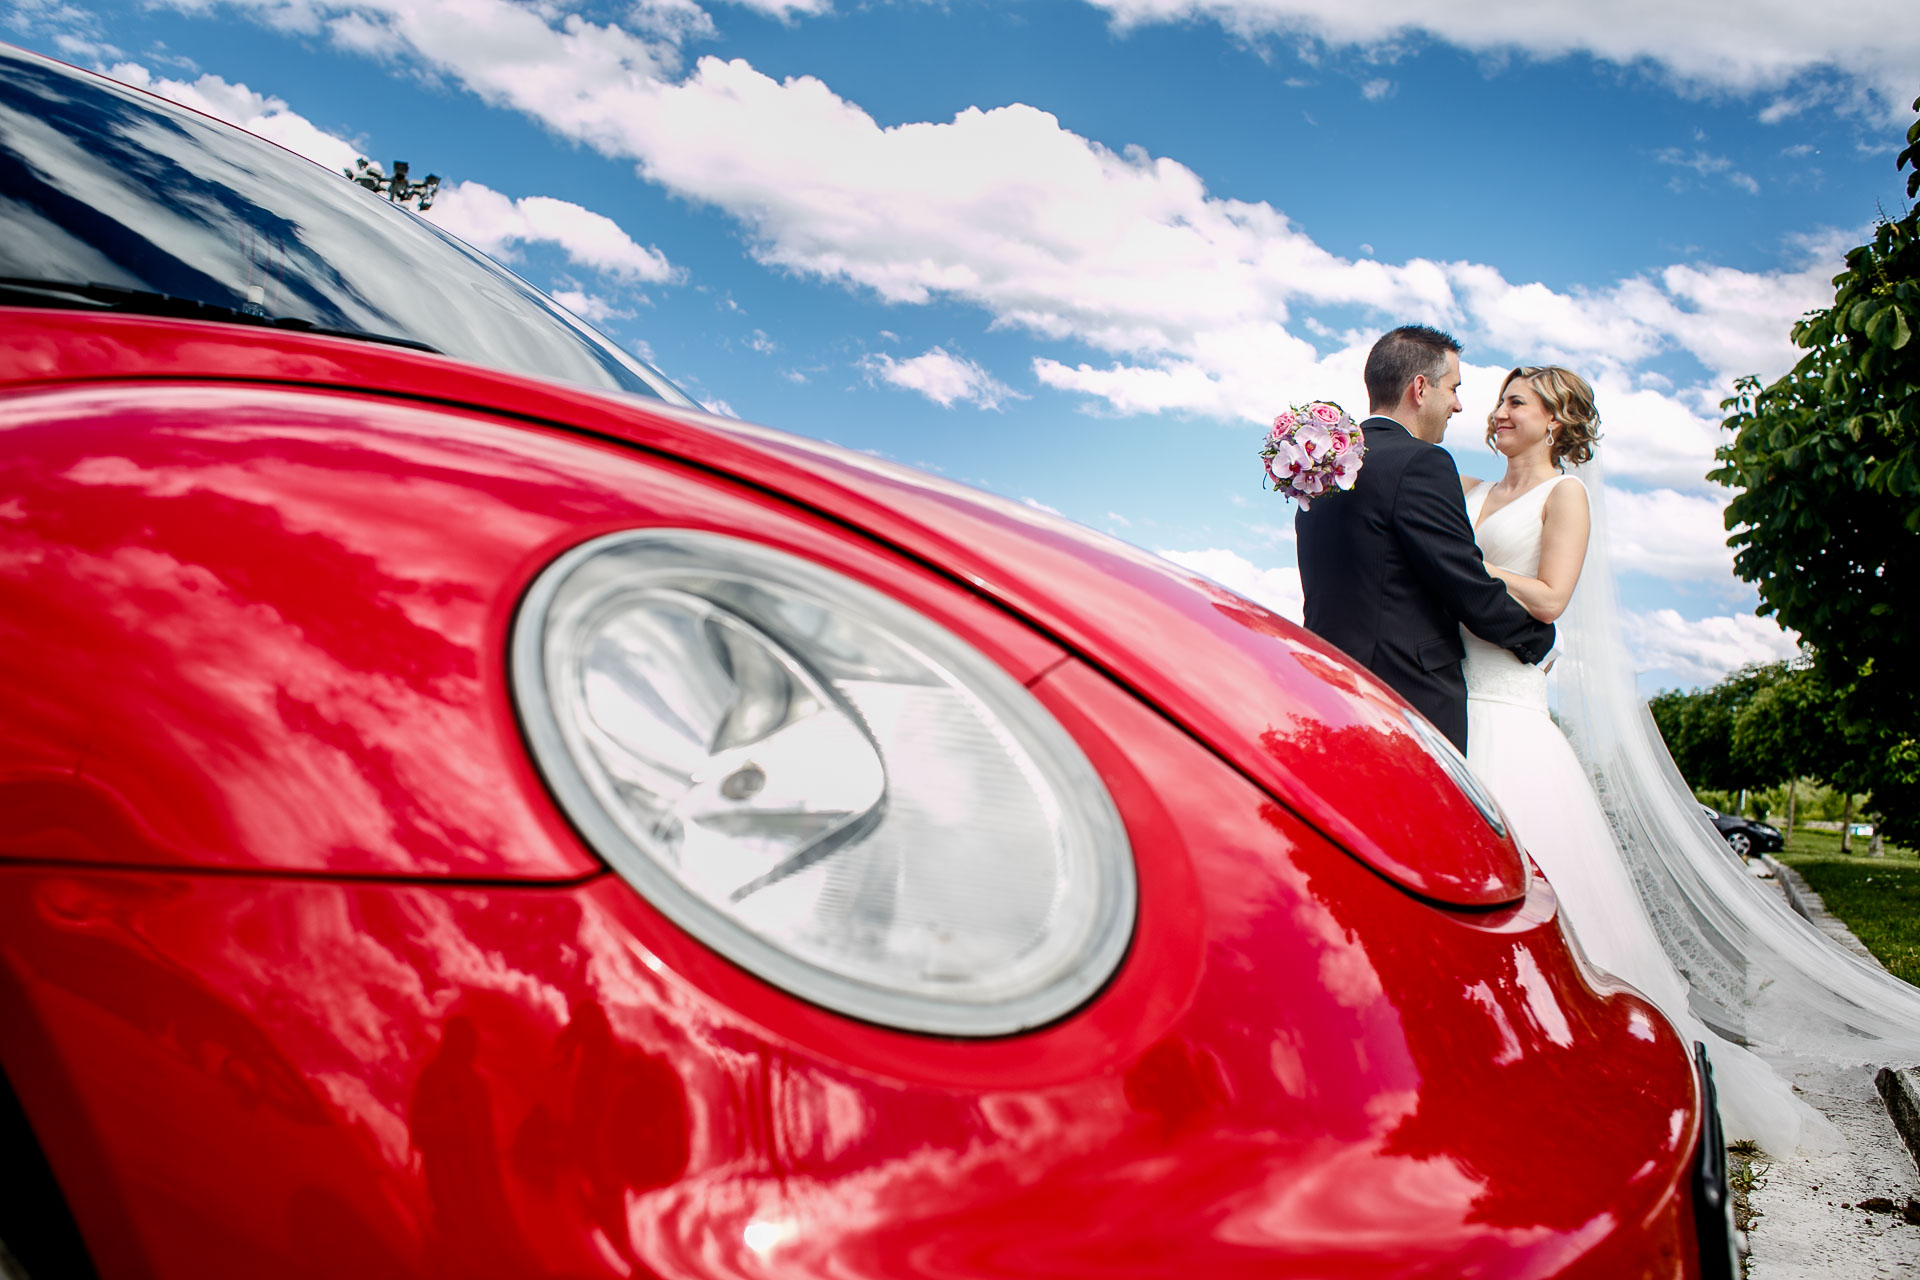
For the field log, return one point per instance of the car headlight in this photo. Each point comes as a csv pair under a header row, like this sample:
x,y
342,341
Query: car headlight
x,y
821,784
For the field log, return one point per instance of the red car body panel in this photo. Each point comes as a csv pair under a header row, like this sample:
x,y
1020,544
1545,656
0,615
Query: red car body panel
x,y
380,1079
1325,738
304,973
259,611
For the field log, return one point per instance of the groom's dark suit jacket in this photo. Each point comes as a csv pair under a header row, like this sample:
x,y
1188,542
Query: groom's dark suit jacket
x,y
1391,573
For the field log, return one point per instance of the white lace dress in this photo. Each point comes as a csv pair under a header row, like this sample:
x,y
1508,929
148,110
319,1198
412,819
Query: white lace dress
x,y
1514,747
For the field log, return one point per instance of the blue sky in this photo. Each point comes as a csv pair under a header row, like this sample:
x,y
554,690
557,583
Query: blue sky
x,y
1078,253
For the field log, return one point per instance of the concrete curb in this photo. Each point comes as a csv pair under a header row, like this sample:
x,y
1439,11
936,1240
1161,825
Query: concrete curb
x,y
1802,898
1900,1090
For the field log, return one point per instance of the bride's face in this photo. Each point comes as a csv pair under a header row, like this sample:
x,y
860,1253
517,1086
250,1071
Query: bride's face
x,y
1520,422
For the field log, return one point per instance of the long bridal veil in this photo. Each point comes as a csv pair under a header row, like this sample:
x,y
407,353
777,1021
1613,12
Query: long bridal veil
x,y
1759,972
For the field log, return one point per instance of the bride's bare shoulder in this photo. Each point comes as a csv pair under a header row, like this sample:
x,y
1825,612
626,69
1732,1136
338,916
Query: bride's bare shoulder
x,y
1468,484
1564,500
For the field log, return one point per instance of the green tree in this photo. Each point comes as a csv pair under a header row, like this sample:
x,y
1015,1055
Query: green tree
x,y
1768,735
1676,714
1793,728
1825,519
1698,726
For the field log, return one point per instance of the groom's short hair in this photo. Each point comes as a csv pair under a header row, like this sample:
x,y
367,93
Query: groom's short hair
x,y
1400,356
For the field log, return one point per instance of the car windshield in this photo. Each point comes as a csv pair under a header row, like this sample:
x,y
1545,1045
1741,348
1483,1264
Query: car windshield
x,y
112,198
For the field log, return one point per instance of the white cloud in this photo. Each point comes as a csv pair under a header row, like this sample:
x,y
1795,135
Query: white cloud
x,y
1646,437
1196,304
1755,45
1278,589
1707,166
496,225
1788,105
1740,322
942,378
1732,322
77,33
257,113
1703,651
1670,535
589,307
785,10
1194,299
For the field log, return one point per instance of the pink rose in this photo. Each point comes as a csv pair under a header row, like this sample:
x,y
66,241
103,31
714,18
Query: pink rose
x,y
1341,440
1285,422
1325,414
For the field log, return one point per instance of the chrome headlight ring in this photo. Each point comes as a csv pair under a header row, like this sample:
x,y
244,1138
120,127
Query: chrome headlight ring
x,y
821,784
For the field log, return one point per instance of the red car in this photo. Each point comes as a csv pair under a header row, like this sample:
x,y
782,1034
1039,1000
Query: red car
x,y
466,812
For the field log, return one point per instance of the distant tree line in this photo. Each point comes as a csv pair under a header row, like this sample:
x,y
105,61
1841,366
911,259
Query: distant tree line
x,y
1778,725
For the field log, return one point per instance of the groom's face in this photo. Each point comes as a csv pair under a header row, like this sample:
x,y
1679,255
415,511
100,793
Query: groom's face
x,y
1438,401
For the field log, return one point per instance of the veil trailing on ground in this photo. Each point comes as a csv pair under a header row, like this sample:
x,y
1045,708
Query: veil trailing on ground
x,y
1759,972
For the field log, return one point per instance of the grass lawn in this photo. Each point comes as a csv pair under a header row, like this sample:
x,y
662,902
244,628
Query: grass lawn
x,y
1879,898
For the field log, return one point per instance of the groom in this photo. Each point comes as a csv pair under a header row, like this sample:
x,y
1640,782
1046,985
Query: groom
x,y
1391,570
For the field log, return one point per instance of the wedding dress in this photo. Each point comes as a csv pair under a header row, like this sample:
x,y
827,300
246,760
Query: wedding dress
x,y
1514,746
1758,972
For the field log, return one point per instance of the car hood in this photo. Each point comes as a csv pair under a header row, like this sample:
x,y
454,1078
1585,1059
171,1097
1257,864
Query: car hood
x,y
1286,710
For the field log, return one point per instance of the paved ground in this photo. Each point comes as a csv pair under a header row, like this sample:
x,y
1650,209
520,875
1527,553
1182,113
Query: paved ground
x,y
1806,1223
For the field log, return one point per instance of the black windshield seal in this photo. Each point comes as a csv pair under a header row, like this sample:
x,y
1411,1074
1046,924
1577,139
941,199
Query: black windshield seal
x,y
22,291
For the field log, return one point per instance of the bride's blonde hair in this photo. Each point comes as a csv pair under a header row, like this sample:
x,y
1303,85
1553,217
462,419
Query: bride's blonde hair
x,y
1568,400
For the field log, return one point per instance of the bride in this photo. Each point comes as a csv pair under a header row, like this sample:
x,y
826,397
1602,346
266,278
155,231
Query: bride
x,y
1533,527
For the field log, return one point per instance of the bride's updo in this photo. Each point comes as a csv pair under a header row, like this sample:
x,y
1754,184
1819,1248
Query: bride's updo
x,y
1568,399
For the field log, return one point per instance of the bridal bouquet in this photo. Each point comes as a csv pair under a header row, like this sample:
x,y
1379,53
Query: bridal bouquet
x,y
1313,448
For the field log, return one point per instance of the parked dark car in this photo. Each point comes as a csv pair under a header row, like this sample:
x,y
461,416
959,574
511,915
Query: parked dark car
x,y
1744,836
